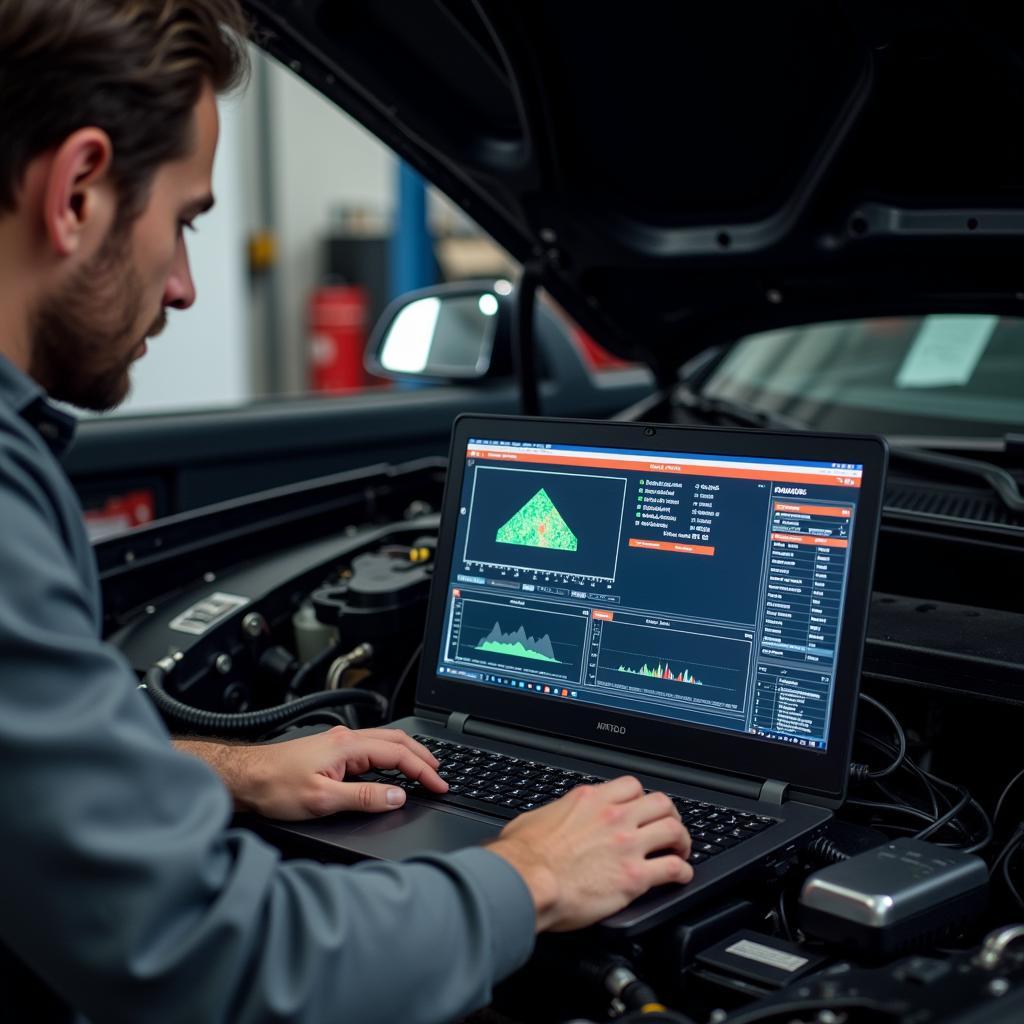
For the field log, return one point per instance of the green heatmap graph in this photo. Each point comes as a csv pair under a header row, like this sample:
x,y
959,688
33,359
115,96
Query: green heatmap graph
x,y
518,645
538,524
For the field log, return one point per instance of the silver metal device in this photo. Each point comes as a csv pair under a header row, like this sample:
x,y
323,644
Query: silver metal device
x,y
892,895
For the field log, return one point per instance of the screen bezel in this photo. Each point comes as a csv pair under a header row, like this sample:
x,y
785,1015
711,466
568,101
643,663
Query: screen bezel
x,y
823,773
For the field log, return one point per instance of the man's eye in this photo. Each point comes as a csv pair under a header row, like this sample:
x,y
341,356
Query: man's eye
x,y
187,225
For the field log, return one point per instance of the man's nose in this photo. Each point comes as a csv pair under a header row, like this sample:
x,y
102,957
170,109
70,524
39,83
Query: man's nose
x,y
180,291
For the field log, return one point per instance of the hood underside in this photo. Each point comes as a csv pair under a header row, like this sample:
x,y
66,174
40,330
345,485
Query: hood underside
x,y
684,173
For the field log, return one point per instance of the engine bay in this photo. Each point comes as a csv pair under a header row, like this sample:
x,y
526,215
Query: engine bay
x,y
303,608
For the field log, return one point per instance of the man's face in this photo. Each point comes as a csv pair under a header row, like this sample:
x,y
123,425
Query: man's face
x,y
86,334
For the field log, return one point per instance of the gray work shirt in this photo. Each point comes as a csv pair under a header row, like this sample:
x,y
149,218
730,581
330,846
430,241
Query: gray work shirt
x,y
122,885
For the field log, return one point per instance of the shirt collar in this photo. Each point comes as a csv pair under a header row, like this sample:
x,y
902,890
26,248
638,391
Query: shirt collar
x,y
22,394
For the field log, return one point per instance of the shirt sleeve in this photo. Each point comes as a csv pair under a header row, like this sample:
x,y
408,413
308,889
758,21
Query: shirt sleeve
x,y
122,885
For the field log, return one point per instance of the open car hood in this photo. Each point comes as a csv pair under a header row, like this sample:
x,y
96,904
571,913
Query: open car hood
x,y
685,173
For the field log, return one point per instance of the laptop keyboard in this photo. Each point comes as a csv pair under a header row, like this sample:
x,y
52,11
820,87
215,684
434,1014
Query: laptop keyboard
x,y
505,786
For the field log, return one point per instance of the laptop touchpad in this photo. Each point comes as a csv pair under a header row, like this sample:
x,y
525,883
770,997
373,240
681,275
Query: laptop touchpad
x,y
416,829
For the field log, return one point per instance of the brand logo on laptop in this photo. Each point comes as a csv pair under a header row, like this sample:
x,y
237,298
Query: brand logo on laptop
x,y
619,730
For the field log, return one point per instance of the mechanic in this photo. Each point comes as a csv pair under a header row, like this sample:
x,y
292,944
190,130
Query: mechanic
x,y
123,887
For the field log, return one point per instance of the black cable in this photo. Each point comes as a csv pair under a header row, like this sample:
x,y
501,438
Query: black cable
x,y
945,819
896,798
875,805
895,831
918,773
245,721
933,793
1014,891
1005,793
787,932
927,819
639,994
761,1014
912,770
393,702
989,835
1009,847
949,817
901,738
970,802
824,850
316,662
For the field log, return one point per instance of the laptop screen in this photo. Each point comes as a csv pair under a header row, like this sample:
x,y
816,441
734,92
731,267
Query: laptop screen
x,y
689,588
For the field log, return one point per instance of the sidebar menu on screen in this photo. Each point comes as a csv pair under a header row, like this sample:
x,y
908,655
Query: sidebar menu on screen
x,y
807,565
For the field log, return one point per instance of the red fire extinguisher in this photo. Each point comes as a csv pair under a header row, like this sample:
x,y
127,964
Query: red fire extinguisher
x,y
337,329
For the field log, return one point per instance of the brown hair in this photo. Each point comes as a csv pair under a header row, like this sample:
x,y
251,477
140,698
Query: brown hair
x,y
133,68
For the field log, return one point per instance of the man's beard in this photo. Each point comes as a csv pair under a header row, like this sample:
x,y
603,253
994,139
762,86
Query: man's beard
x,y
82,343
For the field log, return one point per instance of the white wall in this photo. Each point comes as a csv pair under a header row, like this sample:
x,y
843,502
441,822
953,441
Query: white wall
x,y
202,357
325,162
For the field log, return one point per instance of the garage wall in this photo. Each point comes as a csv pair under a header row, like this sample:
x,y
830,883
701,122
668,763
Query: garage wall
x,y
202,357
325,162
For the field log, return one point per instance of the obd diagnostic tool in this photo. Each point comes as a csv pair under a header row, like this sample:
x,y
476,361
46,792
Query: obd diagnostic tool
x,y
893,898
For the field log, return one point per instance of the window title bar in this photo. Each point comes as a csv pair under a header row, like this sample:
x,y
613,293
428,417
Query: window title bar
x,y
783,470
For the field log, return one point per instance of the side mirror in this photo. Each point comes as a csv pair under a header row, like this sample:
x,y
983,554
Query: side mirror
x,y
445,333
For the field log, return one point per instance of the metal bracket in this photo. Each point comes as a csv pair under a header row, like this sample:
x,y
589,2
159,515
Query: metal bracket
x,y
882,219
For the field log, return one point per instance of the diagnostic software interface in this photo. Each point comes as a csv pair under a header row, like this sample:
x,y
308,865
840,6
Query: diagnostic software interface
x,y
696,588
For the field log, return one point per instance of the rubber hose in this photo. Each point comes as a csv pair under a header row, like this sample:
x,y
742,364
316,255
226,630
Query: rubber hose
x,y
242,721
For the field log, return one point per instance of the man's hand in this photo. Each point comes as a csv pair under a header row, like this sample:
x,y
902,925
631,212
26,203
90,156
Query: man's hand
x,y
587,855
304,778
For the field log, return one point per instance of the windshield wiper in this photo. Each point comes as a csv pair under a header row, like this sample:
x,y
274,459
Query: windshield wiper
x,y
998,479
745,415
1001,481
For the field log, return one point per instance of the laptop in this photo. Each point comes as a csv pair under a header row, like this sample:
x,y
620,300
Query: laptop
x,y
687,605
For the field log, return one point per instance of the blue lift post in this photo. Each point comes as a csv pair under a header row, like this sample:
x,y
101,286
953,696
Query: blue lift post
x,y
413,264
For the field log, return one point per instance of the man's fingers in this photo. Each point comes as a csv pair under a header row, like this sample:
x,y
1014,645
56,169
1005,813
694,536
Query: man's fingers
x,y
665,834
667,869
653,807
621,790
382,754
402,738
371,797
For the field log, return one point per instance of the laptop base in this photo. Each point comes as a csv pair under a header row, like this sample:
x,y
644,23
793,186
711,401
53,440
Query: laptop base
x,y
425,826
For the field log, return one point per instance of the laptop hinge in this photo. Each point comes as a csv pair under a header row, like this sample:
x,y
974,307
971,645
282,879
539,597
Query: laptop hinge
x,y
457,721
773,792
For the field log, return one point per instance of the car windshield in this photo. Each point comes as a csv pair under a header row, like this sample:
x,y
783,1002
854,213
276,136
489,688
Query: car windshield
x,y
932,376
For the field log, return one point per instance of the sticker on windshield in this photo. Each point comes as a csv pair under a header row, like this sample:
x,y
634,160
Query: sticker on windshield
x,y
946,351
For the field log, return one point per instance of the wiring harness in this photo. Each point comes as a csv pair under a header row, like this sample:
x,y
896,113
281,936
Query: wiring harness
x,y
903,798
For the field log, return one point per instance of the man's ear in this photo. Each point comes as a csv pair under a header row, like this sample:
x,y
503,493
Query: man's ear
x,y
79,201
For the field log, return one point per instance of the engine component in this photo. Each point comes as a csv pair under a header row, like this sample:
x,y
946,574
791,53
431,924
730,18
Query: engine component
x,y
214,723
382,595
342,664
311,635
